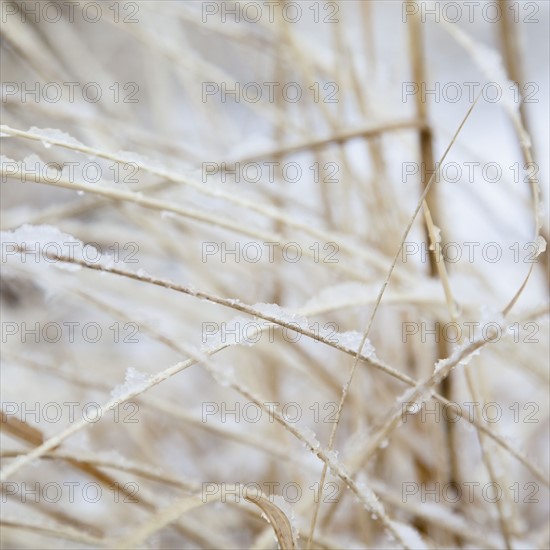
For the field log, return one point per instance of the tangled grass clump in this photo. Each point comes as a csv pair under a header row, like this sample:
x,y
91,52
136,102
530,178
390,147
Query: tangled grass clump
x,y
282,263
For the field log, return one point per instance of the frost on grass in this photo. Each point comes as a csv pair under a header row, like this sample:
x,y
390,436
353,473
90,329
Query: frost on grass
x,y
35,243
309,437
134,381
275,311
408,535
237,331
490,62
352,339
436,237
370,501
541,245
455,358
53,134
46,244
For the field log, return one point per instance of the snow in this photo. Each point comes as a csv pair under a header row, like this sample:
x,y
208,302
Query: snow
x,y
309,435
281,314
134,381
54,134
332,461
491,63
442,364
437,237
45,243
352,339
41,241
237,331
409,536
370,500
541,245
32,163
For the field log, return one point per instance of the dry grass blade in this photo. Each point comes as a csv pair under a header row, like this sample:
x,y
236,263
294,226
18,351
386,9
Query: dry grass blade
x,y
277,519
158,521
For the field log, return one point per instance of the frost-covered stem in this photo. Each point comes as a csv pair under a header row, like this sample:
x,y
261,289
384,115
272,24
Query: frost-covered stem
x,y
366,332
269,212
491,70
512,54
193,214
397,374
369,500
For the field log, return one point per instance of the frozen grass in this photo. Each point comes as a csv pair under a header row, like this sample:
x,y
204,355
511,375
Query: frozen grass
x,y
349,369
